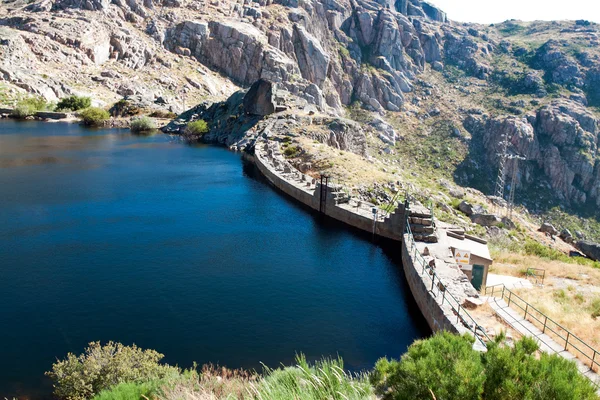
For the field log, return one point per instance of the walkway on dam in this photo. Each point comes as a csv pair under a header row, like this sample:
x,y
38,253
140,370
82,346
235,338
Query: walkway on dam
x,y
546,343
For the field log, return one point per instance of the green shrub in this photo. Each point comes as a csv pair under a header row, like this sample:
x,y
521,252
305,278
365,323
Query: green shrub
x,y
142,124
445,366
23,111
94,116
516,373
74,103
29,106
291,151
102,367
130,391
199,127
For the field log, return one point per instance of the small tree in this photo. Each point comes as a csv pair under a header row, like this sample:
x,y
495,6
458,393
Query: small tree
x,y
74,103
445,366
22,111
29,106
199,127
94,116
102,367
142,124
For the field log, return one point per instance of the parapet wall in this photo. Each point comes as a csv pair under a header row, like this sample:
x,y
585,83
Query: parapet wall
x,y
305,189
440,317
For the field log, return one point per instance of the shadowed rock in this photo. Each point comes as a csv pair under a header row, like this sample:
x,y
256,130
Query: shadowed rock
x,y
259,99
590,249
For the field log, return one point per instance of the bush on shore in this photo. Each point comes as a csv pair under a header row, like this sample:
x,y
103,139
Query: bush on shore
x,y
27,107
442,367
142,124
74,103
103,367
199,127
446,367
94,116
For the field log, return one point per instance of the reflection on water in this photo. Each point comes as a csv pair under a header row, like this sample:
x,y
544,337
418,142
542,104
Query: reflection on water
x,y
183,249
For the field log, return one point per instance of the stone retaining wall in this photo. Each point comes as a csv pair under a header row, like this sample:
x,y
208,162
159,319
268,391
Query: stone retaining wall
x,y
439,317
303,188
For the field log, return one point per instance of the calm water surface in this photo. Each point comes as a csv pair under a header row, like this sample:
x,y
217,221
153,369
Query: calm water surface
x,y
109,236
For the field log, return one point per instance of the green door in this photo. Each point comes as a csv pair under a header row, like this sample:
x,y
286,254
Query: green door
x,y
477,279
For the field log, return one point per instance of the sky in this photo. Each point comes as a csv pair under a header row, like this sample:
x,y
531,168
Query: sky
x,y
493,11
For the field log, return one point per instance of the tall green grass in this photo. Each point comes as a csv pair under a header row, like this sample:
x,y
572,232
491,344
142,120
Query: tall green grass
x,y
326,379
131,391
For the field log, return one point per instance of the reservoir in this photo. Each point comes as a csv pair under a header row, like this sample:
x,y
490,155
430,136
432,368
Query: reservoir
x,y
183,249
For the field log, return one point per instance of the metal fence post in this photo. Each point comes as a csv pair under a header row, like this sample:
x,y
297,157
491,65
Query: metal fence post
x,y
432,281
509,296
545,321
567,341
526,308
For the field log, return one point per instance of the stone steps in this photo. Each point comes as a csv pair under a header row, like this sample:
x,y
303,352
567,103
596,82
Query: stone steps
x,y
422,229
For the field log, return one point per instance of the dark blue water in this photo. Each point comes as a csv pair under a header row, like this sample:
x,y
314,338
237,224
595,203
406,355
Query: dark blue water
x,y
183,249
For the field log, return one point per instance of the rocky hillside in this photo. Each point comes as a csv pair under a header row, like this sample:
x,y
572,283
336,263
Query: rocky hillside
x,y
424,92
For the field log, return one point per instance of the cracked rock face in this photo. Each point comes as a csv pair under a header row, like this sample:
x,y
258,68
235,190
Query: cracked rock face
x,y
331,53
560,140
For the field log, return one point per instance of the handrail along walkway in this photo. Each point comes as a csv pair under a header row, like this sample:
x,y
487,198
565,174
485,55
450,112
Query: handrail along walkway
x,y
461,313
570,340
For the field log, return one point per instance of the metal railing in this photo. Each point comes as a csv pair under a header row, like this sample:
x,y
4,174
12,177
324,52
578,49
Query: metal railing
x,y
536,273
432,216
439,290
568,341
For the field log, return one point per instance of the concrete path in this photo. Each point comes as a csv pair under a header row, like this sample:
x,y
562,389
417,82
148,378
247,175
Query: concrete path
x,y
511,282
546,343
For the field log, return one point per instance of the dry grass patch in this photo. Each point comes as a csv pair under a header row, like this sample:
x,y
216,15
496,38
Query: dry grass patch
x,y
516,264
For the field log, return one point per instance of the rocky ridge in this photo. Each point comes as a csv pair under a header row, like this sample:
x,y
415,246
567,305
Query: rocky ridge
x,y
394,67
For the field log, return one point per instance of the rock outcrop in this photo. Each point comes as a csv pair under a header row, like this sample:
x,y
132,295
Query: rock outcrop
x,y
260,99
590,249
560,140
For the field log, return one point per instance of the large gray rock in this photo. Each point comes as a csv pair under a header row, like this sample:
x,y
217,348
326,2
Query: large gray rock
x,y
549,229
590,249
486,219
468,209
259,99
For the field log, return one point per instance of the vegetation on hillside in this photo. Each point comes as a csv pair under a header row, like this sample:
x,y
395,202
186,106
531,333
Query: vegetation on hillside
x,y
74,103
142,124
446,367
199,127
442,367
28,106
94,116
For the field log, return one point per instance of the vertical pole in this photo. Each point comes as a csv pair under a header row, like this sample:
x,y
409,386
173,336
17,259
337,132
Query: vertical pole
x,y
432,281
545,321
567,342
509,296
526,308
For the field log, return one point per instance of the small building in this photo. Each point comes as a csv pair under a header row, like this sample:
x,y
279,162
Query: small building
x,y
479,260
